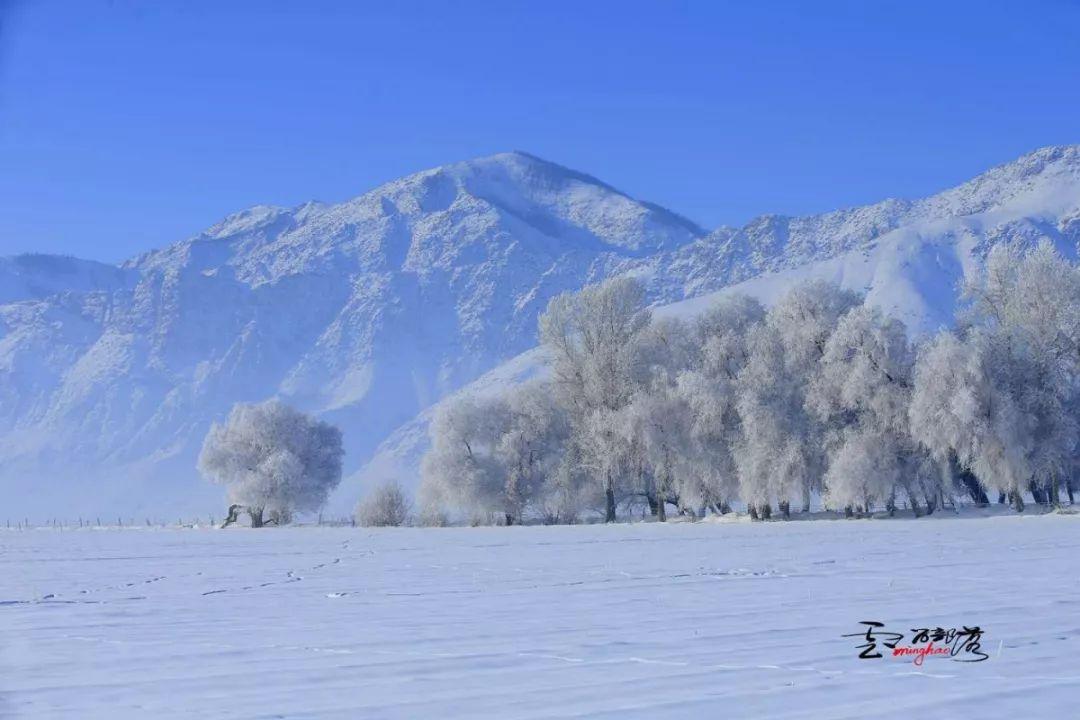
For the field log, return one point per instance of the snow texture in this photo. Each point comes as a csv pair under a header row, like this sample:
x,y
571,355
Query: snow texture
x,y
733,620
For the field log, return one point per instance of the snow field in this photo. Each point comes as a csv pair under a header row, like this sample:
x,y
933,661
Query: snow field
x,y
732,620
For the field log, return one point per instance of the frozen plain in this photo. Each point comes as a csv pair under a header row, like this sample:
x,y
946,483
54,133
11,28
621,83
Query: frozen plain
x,y
703,620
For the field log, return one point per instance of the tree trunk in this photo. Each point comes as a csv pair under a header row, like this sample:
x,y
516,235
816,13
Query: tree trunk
x,y
1017,500
653,507
806,496
725,508
848,511
256,515
914,504
661,510
609,497
1001,498
785,509
1053,493
931,502
753,511
975,490
509,519
234,515
1069,490
766,511
1037,493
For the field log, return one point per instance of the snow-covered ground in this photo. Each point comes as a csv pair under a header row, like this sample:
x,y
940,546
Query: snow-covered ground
x,y
629,621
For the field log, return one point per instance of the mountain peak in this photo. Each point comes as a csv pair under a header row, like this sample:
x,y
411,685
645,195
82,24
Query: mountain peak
x,y
1053,153
525,161
1052,159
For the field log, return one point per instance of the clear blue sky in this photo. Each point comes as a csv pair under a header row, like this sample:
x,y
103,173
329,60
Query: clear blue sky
x,y
129,125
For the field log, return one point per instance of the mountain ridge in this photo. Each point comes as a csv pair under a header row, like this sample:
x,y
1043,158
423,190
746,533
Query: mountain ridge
x,y
1028,165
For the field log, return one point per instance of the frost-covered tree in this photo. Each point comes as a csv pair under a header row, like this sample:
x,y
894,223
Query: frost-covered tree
x,y
1029,301
591,336
651,427
273,460
772,454
781,452
1032,296
461,471
708,390
862,392
1001,394
968,403
495,456
819,394
385,506
654,425
569,489
530,453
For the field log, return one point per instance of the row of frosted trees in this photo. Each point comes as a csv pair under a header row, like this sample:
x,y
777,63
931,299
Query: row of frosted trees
x,y
819,398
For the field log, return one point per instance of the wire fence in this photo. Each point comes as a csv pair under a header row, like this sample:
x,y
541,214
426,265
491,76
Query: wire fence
x,y
129,523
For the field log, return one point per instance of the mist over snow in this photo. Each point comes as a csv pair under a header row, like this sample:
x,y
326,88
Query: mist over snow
x,y
370,311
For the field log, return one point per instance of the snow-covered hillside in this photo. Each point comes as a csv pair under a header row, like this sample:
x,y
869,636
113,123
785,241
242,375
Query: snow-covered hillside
x,y
370,311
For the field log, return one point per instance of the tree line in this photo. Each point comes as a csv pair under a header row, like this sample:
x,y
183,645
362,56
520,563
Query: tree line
x,y
819,397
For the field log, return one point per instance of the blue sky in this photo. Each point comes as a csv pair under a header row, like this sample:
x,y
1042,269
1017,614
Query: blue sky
x,y
129,125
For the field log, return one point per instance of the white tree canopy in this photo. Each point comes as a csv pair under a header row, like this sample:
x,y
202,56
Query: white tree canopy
x,y
781,454
592,336
861,392
496,455
1002,393
820,396
385,506
273,458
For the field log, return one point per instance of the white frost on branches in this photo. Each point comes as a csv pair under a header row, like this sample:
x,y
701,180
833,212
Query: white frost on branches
x,y
821,396
272,458
1001,395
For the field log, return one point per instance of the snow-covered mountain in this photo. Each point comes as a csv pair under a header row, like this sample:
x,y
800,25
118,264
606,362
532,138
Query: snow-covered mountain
x,y
1038,195
371,310
908,257
365,312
